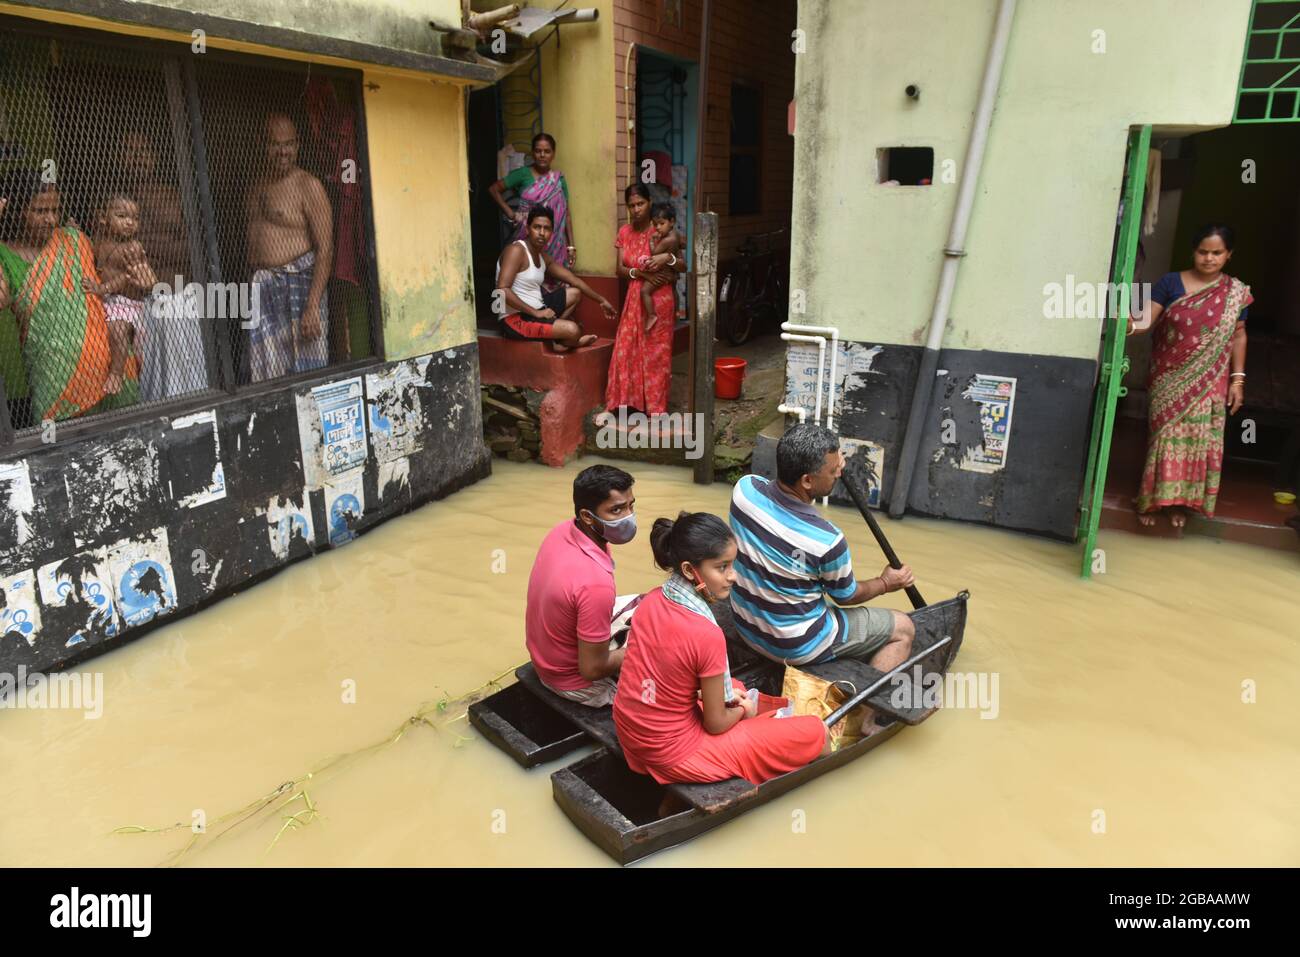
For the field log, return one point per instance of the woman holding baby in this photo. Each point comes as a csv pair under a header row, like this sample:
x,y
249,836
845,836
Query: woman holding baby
x,y
640,369
60,355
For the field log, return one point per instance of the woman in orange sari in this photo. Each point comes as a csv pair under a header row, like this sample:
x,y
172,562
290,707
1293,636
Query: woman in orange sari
x,y
1198,363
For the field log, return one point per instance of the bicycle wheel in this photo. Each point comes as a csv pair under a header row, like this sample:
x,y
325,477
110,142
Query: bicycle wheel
x,y
740,317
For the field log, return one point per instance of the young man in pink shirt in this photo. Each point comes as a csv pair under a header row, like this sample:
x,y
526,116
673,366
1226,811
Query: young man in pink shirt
x,y
571,590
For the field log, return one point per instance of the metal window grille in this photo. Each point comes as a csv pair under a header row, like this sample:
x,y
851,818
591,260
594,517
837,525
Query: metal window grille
x,y
1269,91
166,213
661,108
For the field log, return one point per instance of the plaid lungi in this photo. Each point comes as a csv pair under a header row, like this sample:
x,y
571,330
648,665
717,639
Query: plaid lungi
x,y
276,343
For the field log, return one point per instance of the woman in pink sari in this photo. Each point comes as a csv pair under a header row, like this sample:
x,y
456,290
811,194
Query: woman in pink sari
x,y
641,368
540,185
1198,363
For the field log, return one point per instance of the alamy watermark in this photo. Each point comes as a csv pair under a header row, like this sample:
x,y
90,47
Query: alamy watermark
x,y
666,430
128,911
208,300
76,690
1090,300
978,690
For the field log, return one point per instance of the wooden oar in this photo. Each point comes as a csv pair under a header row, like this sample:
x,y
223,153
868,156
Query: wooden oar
x,y
850,483
887,677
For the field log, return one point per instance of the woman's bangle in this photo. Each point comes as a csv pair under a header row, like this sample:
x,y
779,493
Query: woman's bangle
x,y
672,260
1237,375
631,273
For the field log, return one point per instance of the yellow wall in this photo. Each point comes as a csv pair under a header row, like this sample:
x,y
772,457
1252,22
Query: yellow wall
x,y
419,185
578,110
868,255
421,207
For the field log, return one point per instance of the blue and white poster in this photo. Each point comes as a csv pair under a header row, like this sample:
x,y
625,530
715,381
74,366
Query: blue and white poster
x,y
21,614
996,397
344,505
82,578
341,406
287,520
395,412
142,577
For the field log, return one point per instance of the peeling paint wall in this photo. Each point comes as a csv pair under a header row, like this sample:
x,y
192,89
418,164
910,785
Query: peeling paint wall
x,y
398,24
105,536
578,97
868,255
419,172
417,155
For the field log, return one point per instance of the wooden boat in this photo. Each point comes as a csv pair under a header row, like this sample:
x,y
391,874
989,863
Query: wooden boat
x,y
620,810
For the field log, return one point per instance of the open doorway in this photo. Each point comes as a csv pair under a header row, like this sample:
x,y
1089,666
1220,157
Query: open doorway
x,y
1239,175
666,114
501,122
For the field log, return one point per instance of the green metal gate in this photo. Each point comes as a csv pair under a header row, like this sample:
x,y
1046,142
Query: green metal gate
x,y
1114,363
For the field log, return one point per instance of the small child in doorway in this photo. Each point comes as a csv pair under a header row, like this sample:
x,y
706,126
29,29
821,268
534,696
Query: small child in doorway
x,y
126,280
666,239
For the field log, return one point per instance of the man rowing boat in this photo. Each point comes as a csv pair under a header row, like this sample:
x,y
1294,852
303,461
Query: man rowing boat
x,y
571,597
791,560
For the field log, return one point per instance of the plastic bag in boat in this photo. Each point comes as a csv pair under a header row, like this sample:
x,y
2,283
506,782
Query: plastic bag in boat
x,y
809,694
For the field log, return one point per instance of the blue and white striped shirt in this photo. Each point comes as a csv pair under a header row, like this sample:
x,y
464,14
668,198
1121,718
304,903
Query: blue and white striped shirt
x,y
788,560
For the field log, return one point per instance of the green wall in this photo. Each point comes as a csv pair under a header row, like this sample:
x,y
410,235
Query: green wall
x,y
868,255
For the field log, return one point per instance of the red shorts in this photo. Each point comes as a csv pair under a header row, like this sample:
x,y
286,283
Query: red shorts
x,y
519,326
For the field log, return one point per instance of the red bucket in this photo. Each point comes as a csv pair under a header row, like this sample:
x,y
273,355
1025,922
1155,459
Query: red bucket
x,y
728,374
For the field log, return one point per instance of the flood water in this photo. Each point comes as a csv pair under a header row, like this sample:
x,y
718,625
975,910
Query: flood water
x,y
1123,695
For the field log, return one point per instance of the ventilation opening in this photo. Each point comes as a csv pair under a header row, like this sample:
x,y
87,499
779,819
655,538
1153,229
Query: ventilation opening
x,y
905,165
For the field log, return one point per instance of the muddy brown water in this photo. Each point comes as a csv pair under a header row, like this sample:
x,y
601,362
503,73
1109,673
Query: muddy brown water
x,y
1121,735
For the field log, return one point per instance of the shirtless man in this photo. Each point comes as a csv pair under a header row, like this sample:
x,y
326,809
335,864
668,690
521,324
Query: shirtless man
x,y
162,221
291,249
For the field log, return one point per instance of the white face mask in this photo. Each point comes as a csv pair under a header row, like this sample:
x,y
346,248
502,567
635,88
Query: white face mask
x,y
619,532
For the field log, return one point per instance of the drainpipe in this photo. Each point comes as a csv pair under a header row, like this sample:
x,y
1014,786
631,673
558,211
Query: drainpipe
x,y
834,333
830,396
953,252
821,366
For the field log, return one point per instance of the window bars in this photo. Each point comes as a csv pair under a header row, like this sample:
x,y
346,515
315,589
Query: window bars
x,y
1269,91
174,224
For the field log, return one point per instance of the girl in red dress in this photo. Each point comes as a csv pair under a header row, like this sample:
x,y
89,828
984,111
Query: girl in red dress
x,y
679,715
640,370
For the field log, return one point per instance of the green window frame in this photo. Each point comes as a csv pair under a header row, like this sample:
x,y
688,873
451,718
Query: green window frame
x,y
1269,90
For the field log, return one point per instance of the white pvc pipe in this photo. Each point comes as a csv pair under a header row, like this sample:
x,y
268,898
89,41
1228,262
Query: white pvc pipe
x,y
821,366
793,410
835,352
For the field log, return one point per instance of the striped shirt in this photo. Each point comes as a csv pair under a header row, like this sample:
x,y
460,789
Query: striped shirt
x,y
788,561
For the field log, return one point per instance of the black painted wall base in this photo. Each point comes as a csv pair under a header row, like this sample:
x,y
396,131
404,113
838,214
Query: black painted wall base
x,y
107,536
1035,488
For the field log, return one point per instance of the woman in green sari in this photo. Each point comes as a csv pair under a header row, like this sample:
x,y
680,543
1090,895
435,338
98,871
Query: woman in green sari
x,y
59,357
13,273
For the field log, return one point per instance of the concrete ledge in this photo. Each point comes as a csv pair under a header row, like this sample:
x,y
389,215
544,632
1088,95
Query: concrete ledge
x,y
573,383
299,41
